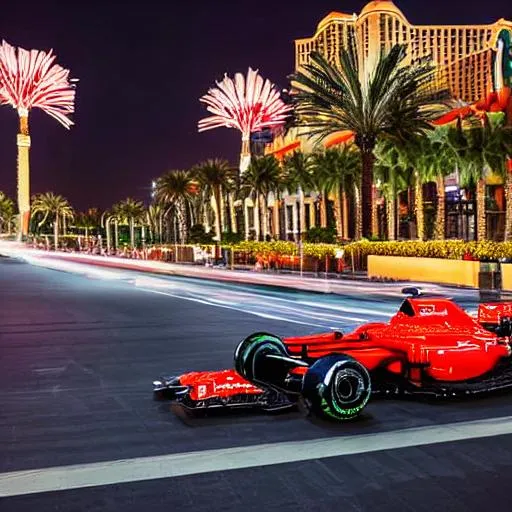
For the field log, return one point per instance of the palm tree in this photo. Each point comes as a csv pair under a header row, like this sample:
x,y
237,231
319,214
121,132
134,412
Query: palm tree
x,y
487,146
6,213
391,98
88,220
214,178
333,173
498,154
297,168
342,174
31,79
447,144
248,104
131,212
419,156
176,190
387,170
52,206
154,218
322,165
262,177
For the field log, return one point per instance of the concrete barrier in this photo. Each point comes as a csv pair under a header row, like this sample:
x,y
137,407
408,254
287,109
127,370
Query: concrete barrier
x,y
427,270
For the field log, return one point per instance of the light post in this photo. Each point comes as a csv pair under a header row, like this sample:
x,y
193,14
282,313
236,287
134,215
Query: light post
x,y
107,231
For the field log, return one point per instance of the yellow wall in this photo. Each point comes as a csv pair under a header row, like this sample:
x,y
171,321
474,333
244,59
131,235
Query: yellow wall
x,y
432,270
506,277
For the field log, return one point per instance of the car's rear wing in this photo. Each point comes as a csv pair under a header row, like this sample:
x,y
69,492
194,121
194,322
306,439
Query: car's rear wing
x,y
496,316
493,312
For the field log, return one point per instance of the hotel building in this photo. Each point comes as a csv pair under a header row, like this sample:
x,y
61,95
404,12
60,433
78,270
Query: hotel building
x,y
462,53
464,56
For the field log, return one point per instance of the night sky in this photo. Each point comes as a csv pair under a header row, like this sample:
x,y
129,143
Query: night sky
x,y
142,67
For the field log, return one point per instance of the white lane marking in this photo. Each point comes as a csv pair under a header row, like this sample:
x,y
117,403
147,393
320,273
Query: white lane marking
x,y
255,313
230,304
49,370
192,463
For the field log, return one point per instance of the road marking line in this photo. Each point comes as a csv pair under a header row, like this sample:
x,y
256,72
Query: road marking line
x,y
234,308
57,369
168,466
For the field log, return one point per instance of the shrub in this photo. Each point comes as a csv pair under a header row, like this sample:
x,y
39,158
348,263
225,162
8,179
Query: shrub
x,y
198,235
232,238
321,235
447,249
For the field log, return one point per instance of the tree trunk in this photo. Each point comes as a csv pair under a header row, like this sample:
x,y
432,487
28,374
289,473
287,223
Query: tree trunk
x,y
218,217
116,234
257,218
338,213
358,232
323,209
132,233
375,211
391,217
302,213
232,210
420,212
222,205
439,232
206,214
285,220
263,217
56,232
367,161
508,207
246,218
277,214
182,221
23,142
245,154
391,209
345,215
481,224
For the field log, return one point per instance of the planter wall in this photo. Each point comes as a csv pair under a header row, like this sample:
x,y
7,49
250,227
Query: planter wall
x,y
506,277
431,270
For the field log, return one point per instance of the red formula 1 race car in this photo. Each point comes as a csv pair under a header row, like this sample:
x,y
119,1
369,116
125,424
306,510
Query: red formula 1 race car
x,y
430,347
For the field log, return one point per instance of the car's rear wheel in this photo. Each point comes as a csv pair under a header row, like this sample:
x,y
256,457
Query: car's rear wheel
x,y
337,386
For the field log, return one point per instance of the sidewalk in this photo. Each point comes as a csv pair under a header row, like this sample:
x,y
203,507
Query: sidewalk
x,y
263,278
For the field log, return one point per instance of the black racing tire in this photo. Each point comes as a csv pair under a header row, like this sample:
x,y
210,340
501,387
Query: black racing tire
x,y
249,358
337,387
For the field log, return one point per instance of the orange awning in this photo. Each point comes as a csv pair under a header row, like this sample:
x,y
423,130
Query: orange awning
x,y
452,116
338,138
281,152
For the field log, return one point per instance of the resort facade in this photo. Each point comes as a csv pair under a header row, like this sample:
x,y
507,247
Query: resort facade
x,y
464,56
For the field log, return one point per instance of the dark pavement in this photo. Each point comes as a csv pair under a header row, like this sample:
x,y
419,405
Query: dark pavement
x,y
453,477
77,357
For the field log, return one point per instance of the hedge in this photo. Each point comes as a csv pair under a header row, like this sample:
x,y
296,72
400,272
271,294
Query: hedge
x,y
446,249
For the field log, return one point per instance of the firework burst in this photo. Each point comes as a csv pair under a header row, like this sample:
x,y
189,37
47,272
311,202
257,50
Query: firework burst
x,y
31,79
248,104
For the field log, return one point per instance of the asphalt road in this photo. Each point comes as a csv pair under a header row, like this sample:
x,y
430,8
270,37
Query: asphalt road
x,y
77,357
